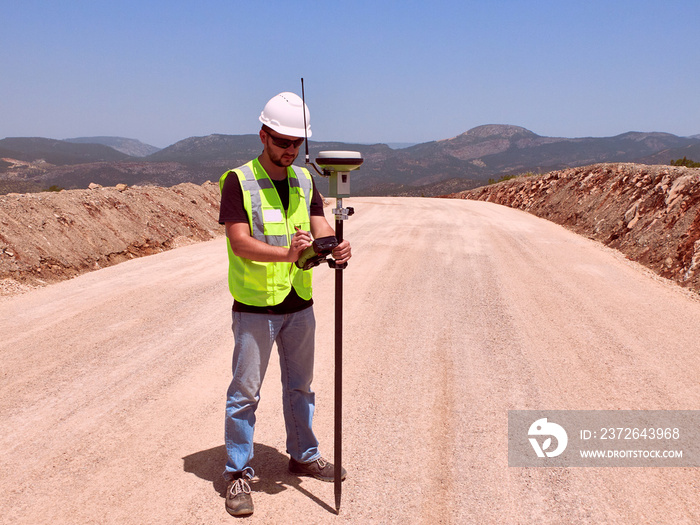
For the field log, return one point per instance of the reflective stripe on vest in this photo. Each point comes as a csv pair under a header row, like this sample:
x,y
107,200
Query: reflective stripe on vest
x,y
252,186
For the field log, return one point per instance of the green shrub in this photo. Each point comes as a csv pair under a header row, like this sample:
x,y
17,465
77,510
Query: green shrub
x,y
503,178
685,162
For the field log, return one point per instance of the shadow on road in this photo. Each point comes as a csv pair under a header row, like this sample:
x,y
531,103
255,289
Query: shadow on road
x,y
270,465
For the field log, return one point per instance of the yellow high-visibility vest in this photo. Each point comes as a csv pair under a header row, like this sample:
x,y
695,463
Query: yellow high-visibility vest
x,y
265,283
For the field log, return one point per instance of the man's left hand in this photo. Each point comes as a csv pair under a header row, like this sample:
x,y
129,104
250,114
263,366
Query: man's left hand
x,y
341,253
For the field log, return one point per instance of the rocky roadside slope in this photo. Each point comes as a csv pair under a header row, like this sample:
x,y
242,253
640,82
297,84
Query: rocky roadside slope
x,y
649,213
47,237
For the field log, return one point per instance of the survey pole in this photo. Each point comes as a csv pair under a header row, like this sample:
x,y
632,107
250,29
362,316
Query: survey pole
x,y
337,166
338,414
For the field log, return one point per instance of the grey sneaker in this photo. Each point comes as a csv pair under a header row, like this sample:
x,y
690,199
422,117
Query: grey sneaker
x,y
319,469
239,502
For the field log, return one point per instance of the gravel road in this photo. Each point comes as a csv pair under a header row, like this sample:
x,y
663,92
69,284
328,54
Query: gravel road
x,y
113,383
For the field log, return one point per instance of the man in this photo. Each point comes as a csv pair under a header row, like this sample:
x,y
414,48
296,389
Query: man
x,y
272,212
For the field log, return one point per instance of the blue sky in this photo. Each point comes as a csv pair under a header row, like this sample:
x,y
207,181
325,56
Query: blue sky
x,y
380,71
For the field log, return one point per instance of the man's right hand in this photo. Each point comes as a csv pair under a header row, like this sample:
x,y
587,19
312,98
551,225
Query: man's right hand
x,y
300,241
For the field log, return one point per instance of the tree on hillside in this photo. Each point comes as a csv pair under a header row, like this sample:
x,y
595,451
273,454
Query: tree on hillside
x,y
685,162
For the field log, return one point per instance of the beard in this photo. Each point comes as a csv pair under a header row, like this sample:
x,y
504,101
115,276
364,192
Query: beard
x,y
283,160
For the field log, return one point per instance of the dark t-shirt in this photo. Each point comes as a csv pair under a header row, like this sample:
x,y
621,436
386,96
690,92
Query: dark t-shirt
x,y
232,210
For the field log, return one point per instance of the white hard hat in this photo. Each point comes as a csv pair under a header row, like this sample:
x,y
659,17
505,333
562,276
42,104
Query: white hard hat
x,y
283,114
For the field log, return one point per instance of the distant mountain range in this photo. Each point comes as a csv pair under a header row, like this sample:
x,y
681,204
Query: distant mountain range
x,y
132,147
57,152
432,168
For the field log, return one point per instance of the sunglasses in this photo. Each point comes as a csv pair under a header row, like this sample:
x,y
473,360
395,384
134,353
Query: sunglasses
x,y
285,143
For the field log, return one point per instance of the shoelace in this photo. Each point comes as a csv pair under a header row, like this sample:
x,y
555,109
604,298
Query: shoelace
x,y
240,485
322,463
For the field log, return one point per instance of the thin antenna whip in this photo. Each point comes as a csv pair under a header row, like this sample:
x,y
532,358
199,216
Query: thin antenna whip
x,y
306,137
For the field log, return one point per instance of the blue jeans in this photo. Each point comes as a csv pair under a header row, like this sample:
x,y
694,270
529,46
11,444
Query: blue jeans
x,y
254,336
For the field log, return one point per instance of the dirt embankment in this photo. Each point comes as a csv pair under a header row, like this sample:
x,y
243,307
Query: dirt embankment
x,y
649,213
47,237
